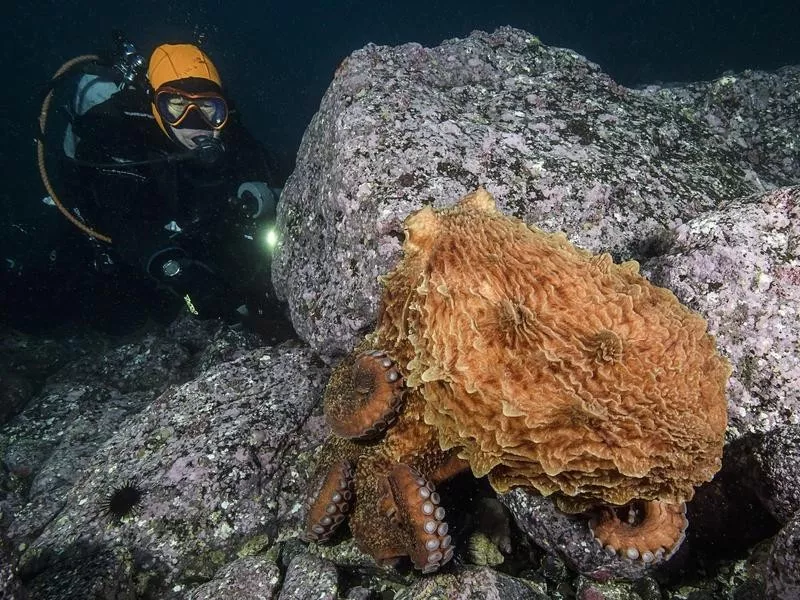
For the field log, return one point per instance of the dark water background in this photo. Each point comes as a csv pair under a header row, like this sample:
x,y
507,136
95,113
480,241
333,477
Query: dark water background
x,y
277,58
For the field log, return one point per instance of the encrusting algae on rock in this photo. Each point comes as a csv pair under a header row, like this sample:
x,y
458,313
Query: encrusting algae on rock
x,y
535,363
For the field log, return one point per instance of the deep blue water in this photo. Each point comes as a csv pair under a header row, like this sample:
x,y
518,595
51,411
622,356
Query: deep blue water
x,y
277,58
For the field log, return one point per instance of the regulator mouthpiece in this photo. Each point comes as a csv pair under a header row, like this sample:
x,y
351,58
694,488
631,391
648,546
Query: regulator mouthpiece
x,y
208,149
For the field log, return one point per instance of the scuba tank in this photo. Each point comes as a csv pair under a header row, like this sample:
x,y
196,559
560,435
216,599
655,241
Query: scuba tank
x,y
100,80
102,77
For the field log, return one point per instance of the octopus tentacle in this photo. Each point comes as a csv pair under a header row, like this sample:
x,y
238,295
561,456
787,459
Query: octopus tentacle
x,y
650,531
364,399
415,506
331,502
451,466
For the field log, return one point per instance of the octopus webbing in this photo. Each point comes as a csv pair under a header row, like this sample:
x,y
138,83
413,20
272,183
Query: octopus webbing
x,y
508,351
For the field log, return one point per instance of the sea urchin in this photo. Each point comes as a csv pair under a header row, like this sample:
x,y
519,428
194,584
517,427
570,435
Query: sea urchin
x,y
122,501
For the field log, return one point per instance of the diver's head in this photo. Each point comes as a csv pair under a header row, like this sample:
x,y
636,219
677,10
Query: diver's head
x,y
187,104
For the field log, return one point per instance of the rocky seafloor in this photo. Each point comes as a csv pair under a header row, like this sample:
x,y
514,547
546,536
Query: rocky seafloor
x,y
218,429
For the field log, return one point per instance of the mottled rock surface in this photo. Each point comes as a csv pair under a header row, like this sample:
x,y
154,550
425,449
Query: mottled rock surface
x,y
754,114
775,475
216,461
556,140
81,405
26,362
209,425
310,577
10,586
15,391
783,568
243,579
473,583
739,266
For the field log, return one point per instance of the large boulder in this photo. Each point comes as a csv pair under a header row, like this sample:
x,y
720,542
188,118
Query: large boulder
x,y
739,266
783,567
553,138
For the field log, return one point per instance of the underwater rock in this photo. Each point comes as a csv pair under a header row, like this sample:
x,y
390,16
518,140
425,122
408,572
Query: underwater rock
x,y
729,498
27,360
243,579
215,459
740,268
775,477
35,358
783,568
15,391
10,586
560,144
472,583
309,576
756,114
482,551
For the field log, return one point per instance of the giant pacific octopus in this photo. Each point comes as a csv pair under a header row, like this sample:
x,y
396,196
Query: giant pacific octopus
x,y
508,351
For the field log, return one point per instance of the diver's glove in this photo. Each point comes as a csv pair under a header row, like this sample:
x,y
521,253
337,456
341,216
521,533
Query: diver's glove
x,y
256,200
202,291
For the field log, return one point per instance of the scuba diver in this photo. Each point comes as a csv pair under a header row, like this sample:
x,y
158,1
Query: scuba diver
x,y
157,169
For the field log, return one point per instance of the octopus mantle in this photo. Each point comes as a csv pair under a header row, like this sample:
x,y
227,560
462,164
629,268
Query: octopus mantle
x,y
506,350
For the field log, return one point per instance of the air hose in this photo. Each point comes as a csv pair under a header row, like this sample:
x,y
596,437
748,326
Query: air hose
x,y
207,150
40,155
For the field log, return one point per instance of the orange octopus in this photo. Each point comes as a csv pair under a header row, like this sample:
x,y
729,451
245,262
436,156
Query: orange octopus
x,y
508,351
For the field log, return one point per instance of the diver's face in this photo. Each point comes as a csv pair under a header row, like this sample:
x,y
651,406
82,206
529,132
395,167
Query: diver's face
x,y
186,136
191,115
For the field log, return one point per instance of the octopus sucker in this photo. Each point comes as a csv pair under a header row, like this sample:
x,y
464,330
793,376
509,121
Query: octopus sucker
x,y
364,396
331,503
645,530
428,544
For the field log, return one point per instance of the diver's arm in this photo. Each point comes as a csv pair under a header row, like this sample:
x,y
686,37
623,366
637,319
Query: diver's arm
x,y
114,129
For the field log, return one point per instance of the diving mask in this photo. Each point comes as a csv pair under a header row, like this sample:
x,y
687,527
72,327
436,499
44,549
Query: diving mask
x,y
174,106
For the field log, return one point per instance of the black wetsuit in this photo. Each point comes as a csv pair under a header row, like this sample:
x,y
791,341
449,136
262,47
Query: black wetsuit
x,y
139,207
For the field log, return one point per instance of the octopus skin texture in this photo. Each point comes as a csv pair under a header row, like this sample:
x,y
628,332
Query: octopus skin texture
x,y
508,351
380,467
